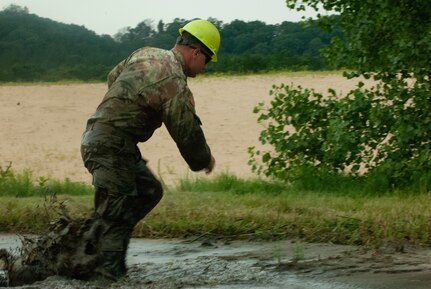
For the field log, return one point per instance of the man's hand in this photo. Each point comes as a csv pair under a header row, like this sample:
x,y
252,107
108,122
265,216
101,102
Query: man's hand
x,y
210,166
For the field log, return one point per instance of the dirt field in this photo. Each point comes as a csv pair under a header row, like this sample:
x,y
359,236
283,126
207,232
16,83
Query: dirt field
x,y
41,128
42,124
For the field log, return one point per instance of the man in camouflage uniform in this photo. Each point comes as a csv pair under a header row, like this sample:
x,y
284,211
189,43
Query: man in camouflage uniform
x,y
145,90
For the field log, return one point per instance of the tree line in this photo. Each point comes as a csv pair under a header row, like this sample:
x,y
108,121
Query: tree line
x,y
33,48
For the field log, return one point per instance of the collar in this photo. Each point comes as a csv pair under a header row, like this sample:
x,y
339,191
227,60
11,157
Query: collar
x,y
180,59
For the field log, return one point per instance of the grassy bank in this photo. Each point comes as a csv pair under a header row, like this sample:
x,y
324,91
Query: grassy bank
x,y
236,208
228,207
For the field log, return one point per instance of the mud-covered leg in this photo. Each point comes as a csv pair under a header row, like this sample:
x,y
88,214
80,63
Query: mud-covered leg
x,y
150,192
113,241
113,250
120,214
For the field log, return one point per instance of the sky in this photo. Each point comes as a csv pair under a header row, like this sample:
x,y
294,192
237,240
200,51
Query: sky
x,y
108,16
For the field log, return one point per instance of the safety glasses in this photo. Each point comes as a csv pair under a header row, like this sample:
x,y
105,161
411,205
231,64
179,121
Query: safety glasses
x,y
207,56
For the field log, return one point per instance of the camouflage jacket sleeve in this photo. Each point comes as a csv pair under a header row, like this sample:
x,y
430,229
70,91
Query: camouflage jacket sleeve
x,y
115,72
184,127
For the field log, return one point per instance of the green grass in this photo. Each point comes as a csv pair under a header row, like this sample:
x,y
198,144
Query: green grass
x,y
287,73
22,184
229,183
234,208
34,214
237,208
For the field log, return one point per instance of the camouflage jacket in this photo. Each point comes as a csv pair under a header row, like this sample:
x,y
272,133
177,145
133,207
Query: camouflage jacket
x,y
145,90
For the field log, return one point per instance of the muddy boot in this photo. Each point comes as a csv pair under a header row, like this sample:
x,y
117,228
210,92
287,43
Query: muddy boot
x,y
113,266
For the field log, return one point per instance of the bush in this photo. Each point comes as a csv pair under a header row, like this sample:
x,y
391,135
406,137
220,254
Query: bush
x,y
379,134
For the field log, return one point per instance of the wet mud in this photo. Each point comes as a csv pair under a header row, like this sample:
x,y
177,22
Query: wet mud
x,y
157,264
69,248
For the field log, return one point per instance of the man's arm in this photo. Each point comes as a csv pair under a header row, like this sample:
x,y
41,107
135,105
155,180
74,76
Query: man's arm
x,y
184,126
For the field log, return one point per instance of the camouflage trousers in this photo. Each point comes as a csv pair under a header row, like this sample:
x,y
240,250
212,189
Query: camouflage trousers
x,y
125,192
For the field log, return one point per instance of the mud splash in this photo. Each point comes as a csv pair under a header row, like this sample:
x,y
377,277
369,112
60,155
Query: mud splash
x,y
70,249
169,264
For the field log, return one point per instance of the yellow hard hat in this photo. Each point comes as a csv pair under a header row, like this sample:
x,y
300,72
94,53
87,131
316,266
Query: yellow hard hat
x,y
206,33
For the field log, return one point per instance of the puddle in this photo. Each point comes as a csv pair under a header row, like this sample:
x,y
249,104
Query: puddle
x,y
169,264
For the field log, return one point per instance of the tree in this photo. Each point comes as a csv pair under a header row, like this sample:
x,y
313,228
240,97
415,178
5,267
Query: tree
x,y
160,27
67,51
34,48
142,31
381,134
12,8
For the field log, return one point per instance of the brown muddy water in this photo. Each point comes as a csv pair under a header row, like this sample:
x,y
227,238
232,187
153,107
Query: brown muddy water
x,y
206,263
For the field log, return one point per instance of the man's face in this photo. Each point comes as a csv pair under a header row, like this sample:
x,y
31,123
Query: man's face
x,y
198,62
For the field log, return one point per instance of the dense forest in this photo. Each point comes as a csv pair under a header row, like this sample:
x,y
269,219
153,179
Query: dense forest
x,y
33,48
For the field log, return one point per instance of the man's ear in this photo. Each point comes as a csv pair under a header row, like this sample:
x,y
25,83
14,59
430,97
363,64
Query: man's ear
x,y
195,52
